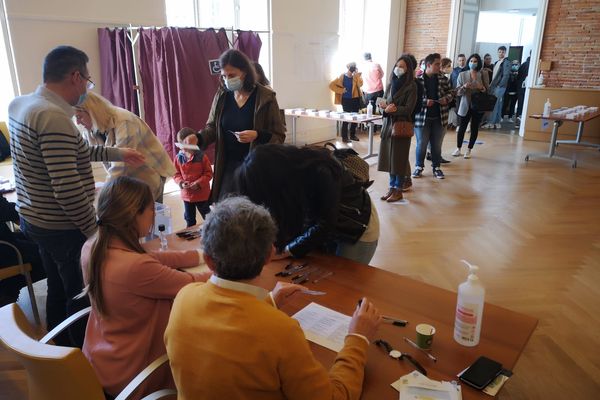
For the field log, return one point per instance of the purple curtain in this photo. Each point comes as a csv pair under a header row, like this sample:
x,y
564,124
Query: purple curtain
x,y
248,43
177,85
116,68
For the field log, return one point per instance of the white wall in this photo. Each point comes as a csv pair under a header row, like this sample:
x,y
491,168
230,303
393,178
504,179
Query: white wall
x,y
37,26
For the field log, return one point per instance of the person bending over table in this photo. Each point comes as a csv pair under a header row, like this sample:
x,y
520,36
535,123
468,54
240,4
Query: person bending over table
x,y
226,339
244,114
131,291
314,199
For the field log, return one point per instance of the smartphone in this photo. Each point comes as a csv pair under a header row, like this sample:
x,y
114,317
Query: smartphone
x,y
483,371
237,134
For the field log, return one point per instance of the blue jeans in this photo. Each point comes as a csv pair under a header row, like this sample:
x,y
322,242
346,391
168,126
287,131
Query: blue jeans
x,y
361,252
496,115
396,181
432,132
189,211
60,251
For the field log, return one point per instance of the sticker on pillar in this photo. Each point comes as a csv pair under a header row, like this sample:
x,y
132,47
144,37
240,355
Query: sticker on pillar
x,y
214,66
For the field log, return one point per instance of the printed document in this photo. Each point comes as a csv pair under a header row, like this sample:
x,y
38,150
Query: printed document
x,y
323,326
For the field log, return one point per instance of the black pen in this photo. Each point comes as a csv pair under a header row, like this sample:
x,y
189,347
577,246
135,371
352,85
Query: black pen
x,y
393,321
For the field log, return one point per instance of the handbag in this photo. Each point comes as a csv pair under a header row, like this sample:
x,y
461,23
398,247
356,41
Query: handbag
x,y
481,101
403,129
354,163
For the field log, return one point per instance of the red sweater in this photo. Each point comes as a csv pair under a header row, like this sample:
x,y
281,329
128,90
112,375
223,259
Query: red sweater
x,y
196,169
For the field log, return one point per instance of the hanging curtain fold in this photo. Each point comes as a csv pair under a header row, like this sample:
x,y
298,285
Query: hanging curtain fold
x,y
248,43
117,71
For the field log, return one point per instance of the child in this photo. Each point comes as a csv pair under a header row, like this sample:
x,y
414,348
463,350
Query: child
x,y
193,177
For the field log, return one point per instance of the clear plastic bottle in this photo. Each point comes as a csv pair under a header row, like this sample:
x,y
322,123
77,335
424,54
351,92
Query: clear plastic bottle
x,y
469,309
370,109
547,108
164,245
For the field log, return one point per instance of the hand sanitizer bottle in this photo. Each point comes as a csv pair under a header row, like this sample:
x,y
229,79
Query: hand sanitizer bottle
x,y
469,309
547,108
163,238
370,109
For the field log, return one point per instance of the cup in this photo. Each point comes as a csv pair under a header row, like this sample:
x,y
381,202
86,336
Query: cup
x,y
425,334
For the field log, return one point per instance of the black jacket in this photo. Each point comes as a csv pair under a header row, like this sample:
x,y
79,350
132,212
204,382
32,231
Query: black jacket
x,y
340,211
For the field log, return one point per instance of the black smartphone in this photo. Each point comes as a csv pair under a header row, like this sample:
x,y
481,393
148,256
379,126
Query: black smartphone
x,y
481,372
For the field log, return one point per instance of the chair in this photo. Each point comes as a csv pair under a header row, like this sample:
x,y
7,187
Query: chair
x,y
23,269
56,372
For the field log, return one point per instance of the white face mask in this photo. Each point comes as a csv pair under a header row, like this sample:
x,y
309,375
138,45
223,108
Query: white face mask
x,y
233,84
399,71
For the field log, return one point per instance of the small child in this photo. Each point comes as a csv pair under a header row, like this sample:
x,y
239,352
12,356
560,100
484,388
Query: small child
x,y
193,176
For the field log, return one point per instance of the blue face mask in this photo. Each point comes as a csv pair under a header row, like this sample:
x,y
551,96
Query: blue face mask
x,y
472,65
81,99
233,84
515,67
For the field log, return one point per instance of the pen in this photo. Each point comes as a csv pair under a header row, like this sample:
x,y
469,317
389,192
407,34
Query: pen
x,y
413,344
393,321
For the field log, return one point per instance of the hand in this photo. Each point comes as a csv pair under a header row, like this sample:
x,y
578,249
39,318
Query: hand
x,y
366,320
247,136
132,157
281,256
194,186
443,101
283,290
430,102
391,108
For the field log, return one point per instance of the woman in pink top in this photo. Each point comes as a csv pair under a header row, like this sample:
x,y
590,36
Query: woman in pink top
x,y
131,291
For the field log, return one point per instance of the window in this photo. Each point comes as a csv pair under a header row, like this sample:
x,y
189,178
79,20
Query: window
x,y
8,91
229,14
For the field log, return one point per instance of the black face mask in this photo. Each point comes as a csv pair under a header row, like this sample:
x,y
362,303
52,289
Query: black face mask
x,y
352,69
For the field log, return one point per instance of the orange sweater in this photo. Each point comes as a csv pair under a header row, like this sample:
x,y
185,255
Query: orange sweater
x,y
227,344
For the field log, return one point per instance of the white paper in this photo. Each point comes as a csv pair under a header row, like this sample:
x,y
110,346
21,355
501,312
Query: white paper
x,y
323,326
184,146
416,386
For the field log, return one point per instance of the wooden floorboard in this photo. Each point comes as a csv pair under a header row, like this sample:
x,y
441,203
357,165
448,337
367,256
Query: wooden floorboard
x,y
533,229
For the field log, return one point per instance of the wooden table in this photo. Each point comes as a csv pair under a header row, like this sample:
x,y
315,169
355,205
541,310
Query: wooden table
x,y
370,121
504,333
557,122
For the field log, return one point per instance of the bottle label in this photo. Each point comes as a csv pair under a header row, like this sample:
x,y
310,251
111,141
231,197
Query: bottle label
x,y
466,322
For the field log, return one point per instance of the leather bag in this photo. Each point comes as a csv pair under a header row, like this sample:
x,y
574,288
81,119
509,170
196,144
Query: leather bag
x,y
403,129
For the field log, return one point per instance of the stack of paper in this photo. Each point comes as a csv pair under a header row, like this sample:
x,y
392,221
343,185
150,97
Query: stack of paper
x,y
416,386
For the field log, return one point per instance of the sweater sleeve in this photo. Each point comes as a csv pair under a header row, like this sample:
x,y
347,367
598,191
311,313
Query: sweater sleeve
x,y
208,135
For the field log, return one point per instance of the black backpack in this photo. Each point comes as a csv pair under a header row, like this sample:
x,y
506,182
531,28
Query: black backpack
x,y
350,159
4,148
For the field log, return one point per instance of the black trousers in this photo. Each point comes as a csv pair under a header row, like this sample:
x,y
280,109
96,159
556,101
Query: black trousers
x,y
475,118
350,105
189,213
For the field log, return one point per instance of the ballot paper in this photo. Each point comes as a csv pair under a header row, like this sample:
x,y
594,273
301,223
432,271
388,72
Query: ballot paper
x,y
184,146
323,326
416,386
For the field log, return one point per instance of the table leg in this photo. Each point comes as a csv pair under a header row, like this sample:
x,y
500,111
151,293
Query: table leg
x,y
294,129
552,147
577,140
370,148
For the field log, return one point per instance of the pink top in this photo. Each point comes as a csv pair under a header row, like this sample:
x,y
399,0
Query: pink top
x,y
372,78
138,292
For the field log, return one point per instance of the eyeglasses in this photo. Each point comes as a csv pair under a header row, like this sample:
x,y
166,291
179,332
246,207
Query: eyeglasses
x,y
90,84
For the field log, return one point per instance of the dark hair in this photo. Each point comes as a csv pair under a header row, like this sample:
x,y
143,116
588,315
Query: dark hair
x,y
260,74
412,59
446,61
185,132
367,56
62,61
283,178
409,76
460,55
238,236
351,66
486,55
239,60
430,59
479,62
503,48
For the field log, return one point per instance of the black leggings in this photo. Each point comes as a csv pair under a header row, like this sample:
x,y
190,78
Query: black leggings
x,y
475,118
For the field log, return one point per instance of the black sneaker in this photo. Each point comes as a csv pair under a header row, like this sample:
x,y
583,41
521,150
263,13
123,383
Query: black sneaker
x,y
418,172
437,172
355,138
444,161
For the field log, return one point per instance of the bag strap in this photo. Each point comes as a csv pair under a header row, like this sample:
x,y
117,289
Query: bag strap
x,y
330,145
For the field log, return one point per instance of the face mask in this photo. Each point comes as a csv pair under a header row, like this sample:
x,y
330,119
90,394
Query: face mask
x,y
423,67
472,65
399,71
352,69
515,67
81,99
233,84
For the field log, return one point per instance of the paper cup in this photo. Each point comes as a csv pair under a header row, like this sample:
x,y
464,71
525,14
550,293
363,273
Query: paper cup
x,y
425,334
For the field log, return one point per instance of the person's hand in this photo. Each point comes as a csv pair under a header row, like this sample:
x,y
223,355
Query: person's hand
x,y
366,320
443,101
283,290
430,102
247,136
391,108
281,256
194,186
132,157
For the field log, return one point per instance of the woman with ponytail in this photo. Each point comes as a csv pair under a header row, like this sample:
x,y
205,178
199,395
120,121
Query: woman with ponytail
x,y
131,290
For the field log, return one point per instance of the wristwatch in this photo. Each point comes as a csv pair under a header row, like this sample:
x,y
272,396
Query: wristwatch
x,y
398,355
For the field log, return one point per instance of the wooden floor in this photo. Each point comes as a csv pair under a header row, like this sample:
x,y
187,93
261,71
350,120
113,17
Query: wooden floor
x,y
534,231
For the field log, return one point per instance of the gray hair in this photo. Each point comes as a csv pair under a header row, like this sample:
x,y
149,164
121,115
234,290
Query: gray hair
x,y
238,236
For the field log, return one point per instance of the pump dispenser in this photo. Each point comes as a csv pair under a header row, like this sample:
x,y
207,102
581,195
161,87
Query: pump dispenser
x,y
469,309
547,108
370,109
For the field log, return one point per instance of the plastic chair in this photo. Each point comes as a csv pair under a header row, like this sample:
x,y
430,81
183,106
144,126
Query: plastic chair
x,y
23,269
56,372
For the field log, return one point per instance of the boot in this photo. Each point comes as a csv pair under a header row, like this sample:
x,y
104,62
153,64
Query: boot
x,y
396,196
407,184
388,194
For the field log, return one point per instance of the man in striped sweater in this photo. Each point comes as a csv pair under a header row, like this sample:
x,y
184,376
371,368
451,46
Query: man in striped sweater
x,y
53,176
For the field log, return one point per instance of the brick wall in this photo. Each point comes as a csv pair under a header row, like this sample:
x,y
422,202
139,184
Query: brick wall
x,y
427,24
572,42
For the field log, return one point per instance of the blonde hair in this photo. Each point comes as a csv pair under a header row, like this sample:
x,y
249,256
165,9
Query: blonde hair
x,y
119,203
102,111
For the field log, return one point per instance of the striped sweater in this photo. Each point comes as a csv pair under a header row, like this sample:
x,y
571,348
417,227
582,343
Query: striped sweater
x,y
51,161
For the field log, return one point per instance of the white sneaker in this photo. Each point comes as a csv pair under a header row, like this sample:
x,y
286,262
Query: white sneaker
x,y
456,153
468,154
498,126
488,126
511,120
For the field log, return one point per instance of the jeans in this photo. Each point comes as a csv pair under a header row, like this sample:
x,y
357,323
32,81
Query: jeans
x,y
189,213
350,105
396,181
432,132
497,112
475,118
361,252
60,251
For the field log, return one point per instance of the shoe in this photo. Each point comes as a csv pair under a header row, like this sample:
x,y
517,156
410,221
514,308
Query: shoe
x,y
498,126
418,172
355,138
487,126
444,161
511,120
346,140
437,172
468,154
428,156
396,196
407,184
456,153
388,194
